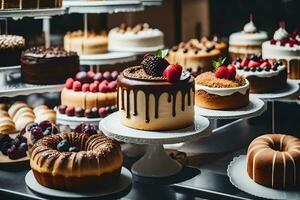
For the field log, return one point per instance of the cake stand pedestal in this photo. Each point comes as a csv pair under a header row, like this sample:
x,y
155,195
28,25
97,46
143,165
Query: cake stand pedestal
x,y
155,162
292,88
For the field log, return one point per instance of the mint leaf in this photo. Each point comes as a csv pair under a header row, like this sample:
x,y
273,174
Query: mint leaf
x,y
161,53
218,63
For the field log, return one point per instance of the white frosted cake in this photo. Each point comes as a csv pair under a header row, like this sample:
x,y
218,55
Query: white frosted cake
x,y
140,38
286,48
246,42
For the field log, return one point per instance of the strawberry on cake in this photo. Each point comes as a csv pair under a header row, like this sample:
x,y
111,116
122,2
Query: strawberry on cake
x,y
264,75
156,95
89,95
222,90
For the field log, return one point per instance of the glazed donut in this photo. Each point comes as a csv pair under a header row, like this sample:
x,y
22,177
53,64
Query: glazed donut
x,y
273,160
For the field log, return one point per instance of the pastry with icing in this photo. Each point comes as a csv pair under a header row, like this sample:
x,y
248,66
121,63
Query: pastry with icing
x,y
264,75
273,160
138,38
247,42
286,48
222,90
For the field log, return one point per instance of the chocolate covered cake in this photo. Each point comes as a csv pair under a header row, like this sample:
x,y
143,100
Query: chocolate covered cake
x,y
11,47
48,66
30,4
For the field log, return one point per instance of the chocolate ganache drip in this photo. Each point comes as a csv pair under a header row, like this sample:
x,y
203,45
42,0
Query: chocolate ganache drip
x,y
134,79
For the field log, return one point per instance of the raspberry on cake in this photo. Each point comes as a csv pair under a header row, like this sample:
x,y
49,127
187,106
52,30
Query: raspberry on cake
x,y
264,75
286,48
87,93
156,95
223,90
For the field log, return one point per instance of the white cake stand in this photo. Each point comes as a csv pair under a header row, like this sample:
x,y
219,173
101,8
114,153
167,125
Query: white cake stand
x,y
74,121
155,163
136,50
124,182
109,58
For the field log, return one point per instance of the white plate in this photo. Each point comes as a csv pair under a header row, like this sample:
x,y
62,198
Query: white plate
x,y
255,108
237,172
124,183
74,121
107,58
292,87
112,127
137,50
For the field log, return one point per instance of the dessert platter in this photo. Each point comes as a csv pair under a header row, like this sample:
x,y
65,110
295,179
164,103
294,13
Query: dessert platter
x,y
149,95
270,169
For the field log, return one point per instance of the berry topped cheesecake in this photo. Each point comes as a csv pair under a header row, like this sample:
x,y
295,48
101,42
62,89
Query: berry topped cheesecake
x,y
286,48
222,90
264,75
89,94
156,95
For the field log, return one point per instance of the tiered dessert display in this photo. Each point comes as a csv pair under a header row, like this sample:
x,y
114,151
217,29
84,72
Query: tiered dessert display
x,y
246,42
197,55
270,169
286,48
11,47
153,97
139,38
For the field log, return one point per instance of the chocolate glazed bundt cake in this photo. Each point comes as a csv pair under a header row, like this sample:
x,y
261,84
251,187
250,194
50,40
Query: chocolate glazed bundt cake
x,y
90,162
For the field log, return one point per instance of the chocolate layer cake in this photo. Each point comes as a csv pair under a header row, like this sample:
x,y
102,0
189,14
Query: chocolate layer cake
x,y
48,66
29,4
11,47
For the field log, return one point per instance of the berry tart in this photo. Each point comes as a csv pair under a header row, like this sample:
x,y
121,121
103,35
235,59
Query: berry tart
x,y
11,47
76,161
156,95
196,55
246,42
89,94
34,4
138,38
264,75
14,149
92,43
222,90
286,48
52,65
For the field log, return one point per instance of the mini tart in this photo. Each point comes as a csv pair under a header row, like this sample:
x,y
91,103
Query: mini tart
x,y
221,94
153,103
97,165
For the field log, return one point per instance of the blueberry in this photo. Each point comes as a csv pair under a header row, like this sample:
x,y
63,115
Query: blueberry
x,y
108,110
47,132
5,146
31,126
4,138
79,128
23,147
63,146
89,129
73,149
259,69
253,69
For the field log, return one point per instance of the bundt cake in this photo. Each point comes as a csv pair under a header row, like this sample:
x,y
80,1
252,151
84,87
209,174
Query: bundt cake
x,y
273,160
76,161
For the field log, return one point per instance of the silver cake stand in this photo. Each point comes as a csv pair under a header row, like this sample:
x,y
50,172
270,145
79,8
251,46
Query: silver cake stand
x,y
155,162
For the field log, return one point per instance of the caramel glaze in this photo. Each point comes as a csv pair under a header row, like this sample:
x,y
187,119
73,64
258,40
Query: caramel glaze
x,y
93,150
155,86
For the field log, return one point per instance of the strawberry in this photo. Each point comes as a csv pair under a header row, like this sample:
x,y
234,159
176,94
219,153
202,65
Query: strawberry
x,y
221,72
69,83
85,87
93,87
103,88
253,64
173,72
265,64
112,86
244,62
76,86
231,72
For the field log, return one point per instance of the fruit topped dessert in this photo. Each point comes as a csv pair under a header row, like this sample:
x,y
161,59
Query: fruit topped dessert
x,y
264,75
89,94
246,42
286,48
156,95
196,55
222,90
138,38
13,148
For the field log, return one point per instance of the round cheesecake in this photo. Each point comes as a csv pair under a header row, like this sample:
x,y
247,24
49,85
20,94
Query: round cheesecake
x,y
286,48
264,75
219,93
152,103
246,42
138,38
53,65
197,55
90,44
11,47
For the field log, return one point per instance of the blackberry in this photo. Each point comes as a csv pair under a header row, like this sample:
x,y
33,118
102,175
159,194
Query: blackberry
x,y
154,65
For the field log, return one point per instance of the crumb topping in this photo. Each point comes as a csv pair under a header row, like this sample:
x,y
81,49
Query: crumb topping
x,y
208,79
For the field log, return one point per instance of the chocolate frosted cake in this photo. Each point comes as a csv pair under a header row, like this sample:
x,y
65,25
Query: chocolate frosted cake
x,y
30,4
11,47
48,66
156,96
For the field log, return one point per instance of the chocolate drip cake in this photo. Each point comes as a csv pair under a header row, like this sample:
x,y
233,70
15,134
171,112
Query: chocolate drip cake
x,y
11,47
153,97
48,66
